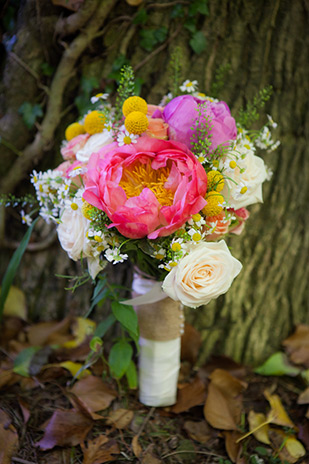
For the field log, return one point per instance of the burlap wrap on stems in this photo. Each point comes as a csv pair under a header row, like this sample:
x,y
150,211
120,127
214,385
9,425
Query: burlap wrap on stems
x,y
160,321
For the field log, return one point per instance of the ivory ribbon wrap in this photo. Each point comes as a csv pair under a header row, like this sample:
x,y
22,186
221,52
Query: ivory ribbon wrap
x,y
161,324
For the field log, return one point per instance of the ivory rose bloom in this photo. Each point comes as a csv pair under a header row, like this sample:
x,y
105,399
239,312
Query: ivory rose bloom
x,y
93,145
204,274
72,233
150,188
252,178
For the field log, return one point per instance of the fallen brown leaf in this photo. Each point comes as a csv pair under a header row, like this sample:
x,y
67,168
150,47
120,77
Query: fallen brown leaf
x,y
297,345
8,438
227,364
66,427
191,342
256,427
198,431
24,406
233,448
136,447
304,397
149,458
93,395
277,414
217,410
47,333
190,395
120,418
289,449
100,450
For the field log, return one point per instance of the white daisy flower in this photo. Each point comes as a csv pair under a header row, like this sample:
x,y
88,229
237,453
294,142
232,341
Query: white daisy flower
x,y
25,218
241,189
78,171
125,138
114,256
271,121
98,97
189,86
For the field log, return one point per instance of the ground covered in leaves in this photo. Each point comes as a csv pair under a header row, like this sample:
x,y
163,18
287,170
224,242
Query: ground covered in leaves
x,y
58,405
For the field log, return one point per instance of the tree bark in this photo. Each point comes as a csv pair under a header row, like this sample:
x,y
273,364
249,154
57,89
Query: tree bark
x,y
264,43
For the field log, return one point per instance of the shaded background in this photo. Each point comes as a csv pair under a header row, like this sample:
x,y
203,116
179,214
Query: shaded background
x,y
55,56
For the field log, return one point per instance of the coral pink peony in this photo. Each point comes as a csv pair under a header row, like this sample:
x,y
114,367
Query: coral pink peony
x,y
148,189
69,149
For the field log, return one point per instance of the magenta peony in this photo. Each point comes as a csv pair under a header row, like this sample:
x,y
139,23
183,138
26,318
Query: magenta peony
x,y
148,189
181,114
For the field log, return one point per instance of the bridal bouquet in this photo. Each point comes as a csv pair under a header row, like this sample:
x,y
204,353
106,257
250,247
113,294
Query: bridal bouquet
x,y
160,186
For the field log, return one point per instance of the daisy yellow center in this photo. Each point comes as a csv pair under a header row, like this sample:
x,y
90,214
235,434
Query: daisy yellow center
x,y
189,84
176,246
243,190
74,206
141,176
233,164
127,140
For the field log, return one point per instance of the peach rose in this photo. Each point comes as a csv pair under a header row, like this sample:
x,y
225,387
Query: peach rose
x,y
222,226
204,274
153,108
69,149
157,128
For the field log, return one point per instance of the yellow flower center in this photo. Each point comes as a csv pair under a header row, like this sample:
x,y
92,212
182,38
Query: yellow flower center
x,y
35,179
98,238
196,217
243,190
196,237
215,163
74,206
158,256
233,164
247,146
140,176
173,264
189,84
86,209
126,140
176,246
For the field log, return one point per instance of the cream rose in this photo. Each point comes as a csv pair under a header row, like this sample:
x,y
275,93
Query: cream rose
x,y
93,145
251,178
204,274
72,233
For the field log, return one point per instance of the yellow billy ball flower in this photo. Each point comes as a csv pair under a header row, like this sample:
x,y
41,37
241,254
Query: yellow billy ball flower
x,y
86,208
136,122
214,204
134,104
73,130
215,181
94,122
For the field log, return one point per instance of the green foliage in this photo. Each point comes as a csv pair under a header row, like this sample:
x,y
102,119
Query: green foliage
x,y
82,101
175,71
151,37
248,115
198,6
198,42
47,69
277,364
13,267
220,79
11,200
23,360
119,358
30,113
201,140
125,90
131,375
141,17
177,11
126,315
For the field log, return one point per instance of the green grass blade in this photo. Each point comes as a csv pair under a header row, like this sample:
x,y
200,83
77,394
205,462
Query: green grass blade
x,y
13,267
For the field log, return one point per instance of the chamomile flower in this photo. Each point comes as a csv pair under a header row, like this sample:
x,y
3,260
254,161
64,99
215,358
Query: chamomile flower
x,y
197,220
78,171
195,235
272,123
114,256
166,99
73,203
25,218
189,86
99,97
125,138
159,254
211,227
64,191
241,189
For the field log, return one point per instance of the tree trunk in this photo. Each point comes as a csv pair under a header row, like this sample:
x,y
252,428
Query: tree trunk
x,y
264,43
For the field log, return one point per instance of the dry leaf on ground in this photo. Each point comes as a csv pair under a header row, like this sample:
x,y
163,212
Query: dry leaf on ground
x,y
277,414
100,450
297,345
288,447
93,395
190,395
120,418
304,397
198,431
233,448
136,447
8,438
66,427
48,333
256,427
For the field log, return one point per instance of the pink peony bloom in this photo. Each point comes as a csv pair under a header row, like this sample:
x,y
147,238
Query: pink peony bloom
x,y
148,189
181,114
69,149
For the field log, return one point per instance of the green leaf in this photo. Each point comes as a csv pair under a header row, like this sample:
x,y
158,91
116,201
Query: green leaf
x,y
119,358
177,12
47,69
198,42
13,266
23,360
131,375
160,34
190,25
103,327
277,364
30,113
147,39
198,6
126,315
95,343
141,17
